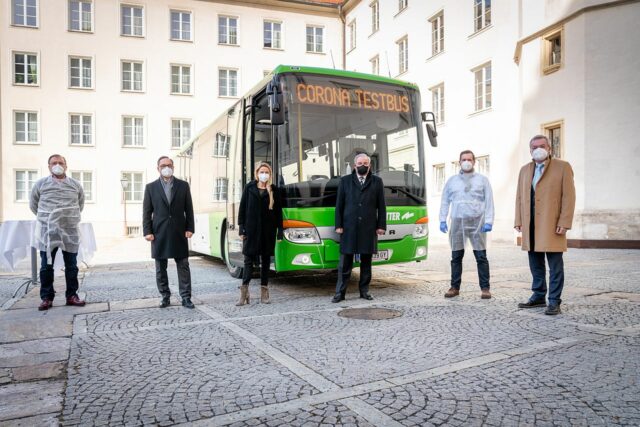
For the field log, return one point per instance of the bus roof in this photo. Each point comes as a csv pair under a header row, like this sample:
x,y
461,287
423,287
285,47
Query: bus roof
x,y
293,69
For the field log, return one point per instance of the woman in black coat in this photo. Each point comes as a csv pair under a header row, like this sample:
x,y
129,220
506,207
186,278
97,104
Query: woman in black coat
x,y
260,221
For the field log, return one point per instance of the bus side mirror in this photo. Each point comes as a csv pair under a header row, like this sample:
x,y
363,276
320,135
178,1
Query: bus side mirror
x,y
432,133
276,102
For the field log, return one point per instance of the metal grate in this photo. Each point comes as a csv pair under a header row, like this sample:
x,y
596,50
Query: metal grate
x,y
370,313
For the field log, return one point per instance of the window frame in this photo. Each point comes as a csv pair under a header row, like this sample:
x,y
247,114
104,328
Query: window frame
x,y
27,190
80,77
215,194
225,144
482,67
402,6
315,39
25,25
439,112
13,68
144,17
182,120
437,33
142,76
273,21
438,187
122,131
93,133
375,60
351,26
546,128
486,171
403,59
228,69
483,15
130,187
26,132
191,25
374,7
180,76
547,67
91,199
69,18
228,34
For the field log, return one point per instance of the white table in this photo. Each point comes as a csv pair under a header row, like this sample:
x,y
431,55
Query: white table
x,y
17,240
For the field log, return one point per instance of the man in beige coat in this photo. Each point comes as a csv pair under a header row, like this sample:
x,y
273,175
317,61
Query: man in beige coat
x,y
545,202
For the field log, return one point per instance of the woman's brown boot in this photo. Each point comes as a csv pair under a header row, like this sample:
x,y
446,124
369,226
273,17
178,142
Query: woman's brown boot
x,y
264,295
244,294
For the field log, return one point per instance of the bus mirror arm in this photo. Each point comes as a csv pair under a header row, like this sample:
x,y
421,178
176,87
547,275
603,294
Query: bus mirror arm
x,y
276,112
432,133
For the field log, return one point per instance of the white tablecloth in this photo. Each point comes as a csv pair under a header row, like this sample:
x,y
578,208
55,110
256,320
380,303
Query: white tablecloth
x,y
18,237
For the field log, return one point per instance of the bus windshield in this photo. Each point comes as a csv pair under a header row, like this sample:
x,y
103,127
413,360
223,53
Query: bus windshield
x,y
330,120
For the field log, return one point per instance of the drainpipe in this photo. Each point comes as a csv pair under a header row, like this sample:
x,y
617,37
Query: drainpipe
x,y
344,31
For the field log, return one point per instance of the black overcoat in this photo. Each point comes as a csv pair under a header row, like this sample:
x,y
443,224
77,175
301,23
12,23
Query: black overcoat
x,y
168,222
256,220
360,210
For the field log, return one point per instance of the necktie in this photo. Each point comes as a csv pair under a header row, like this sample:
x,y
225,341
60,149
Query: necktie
x,y
537,174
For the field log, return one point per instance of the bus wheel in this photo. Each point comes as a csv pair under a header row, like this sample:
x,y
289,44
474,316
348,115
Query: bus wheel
x,y
233,270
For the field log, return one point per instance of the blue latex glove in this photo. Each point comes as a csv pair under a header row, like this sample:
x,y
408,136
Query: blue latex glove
x,y
486,228
443,227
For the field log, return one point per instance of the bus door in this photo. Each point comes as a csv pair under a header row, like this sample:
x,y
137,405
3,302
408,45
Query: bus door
x,y
236,181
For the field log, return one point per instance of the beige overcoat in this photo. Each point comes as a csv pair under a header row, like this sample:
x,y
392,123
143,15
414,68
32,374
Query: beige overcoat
x,y
555,201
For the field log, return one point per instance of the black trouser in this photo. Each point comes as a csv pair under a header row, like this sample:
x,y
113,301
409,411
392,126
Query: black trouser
x,y
70,274
184,277
265,263
344,273
456,268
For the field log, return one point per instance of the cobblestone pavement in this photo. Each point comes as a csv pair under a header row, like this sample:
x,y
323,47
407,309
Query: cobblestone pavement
x,y
295,362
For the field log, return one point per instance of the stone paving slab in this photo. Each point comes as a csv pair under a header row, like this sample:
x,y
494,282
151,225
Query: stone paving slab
x,y
579,385
30,398
160,377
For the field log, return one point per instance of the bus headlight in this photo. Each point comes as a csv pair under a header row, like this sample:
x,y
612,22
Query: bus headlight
x,y
421,251
420,230
302,259
302,235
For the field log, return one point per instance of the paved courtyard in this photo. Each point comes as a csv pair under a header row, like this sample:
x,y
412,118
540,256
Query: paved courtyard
x,y
296,362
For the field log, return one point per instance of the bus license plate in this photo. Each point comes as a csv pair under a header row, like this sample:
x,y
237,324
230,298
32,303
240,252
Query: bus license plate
x,y
382,255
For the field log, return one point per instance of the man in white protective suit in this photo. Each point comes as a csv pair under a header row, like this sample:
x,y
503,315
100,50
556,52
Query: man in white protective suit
x,y
471,199
57,201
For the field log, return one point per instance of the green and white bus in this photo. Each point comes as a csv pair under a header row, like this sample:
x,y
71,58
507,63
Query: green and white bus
x,y
309,123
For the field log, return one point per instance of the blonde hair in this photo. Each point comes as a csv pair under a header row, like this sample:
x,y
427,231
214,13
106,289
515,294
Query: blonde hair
x,y
269,181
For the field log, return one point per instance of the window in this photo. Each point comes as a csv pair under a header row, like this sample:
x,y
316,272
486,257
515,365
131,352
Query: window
x,y
483,165
25,68
375,16
26,127
227,82
437,34
265,73
272,35
227,30
455,167
132,20
220,186
24,13
375,64
352,35
437,102
80,15
132,76
181,79
132,131
552,46
24,183
403,55
86,180
180,25
80,73
81,129
402,5
481,14
221,146
314,39
134,190
482,77
438,178
180,132
553,131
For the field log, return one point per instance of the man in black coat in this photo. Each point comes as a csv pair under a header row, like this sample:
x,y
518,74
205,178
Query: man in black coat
x,y
167,221
361,216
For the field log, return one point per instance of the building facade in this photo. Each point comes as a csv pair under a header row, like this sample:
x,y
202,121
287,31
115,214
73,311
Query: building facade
x,y
573,78
113,85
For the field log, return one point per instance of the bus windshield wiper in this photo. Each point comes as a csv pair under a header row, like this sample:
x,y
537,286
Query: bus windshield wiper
x,y
407,193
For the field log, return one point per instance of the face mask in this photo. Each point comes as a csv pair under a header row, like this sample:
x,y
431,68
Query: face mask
x,y
263,177
466,165
167,172
57,170
362,170
539,154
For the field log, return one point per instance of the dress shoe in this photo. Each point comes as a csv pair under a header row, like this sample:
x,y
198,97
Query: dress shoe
x,y
338,298
166,302
532,304
485,294
46,304
186,303
76,301
452,292
366,296
553,309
